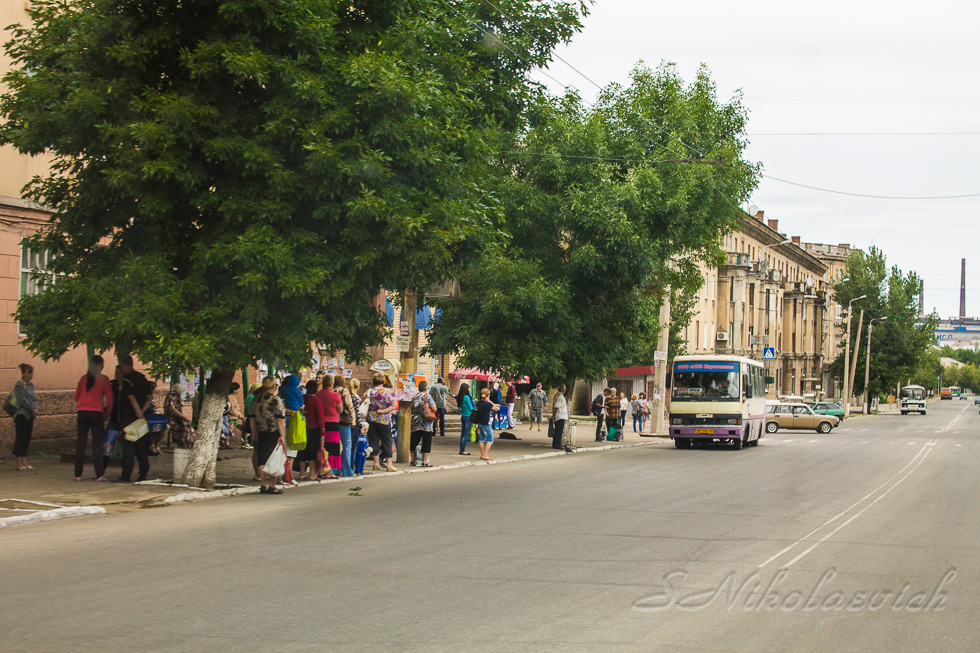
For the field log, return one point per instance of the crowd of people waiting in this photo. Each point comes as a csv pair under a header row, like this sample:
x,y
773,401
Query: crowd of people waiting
x,y
344,428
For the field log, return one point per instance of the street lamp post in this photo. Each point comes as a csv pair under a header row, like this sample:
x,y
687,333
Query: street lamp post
x,y
866,409
847,358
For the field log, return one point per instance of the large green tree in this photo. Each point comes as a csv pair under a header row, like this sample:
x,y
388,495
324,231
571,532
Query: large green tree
x,y
901,342
604,208
234,180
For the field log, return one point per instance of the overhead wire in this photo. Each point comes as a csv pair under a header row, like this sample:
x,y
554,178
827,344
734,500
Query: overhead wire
x,y
672,136
877,197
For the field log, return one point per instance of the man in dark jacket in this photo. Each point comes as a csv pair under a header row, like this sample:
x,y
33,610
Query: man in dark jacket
x,y
133,404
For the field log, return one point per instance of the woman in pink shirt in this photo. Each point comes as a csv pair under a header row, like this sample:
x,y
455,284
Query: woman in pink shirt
x,y
93,400
331,426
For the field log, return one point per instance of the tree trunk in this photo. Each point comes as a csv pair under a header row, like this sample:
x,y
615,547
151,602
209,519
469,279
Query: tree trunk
x,y
203,463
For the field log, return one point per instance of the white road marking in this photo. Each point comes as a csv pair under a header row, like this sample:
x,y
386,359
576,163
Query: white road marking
x,y
849,508
950,425
814,440
959,445
856,515
911,443
863,430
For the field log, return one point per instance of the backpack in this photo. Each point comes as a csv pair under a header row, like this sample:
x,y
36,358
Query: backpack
x,y
598,405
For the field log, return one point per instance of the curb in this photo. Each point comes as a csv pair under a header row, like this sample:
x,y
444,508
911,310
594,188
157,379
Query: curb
x,y
253,489
48,515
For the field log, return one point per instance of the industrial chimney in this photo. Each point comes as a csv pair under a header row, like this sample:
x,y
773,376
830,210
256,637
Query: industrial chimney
x,y
963,288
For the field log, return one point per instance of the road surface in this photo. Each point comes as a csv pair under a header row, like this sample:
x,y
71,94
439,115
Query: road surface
x,y
561,554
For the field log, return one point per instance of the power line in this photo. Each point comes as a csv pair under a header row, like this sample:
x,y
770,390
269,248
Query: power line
x,y
877,197
770,99
865,134
502,43
555,54
585,77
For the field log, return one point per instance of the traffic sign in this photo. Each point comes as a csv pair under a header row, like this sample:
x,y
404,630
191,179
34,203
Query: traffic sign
x,y
769,354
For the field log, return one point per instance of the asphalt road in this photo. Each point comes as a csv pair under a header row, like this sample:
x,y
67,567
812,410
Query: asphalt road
x,y
561,554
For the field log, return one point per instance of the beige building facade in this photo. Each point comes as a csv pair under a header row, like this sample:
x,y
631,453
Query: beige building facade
x,y
770,293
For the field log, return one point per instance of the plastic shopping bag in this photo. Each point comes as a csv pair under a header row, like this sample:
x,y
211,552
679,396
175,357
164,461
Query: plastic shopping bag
x,y
296,432
110,442
473,434
276,464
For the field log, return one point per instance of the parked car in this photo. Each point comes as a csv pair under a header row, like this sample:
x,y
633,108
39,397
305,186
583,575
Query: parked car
x,y
797,415
825,408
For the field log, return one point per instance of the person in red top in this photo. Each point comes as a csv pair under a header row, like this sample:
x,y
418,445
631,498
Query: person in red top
x,y
313,410
93,400
331,401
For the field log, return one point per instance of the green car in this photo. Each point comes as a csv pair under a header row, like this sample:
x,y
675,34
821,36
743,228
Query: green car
x,y
824,408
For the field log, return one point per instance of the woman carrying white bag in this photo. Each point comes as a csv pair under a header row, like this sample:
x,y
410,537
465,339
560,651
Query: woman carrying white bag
x,y
267,419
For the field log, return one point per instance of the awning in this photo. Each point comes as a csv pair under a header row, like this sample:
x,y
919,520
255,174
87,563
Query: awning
x,y
423,317
476,374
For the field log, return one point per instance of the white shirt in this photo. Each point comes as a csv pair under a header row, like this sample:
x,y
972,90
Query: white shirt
x,y
624,405
561,407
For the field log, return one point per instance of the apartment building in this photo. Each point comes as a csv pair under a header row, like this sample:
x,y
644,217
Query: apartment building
x,y
835,258
771,292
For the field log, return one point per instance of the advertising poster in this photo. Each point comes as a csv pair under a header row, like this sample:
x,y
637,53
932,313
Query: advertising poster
x,y
406,386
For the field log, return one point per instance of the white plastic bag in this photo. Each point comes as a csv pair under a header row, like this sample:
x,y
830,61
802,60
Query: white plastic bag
x,y
276,465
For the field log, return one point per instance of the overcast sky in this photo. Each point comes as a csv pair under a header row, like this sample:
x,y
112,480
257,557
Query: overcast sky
x,y
855,66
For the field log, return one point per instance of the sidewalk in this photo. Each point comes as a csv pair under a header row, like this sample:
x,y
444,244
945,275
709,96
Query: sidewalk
x,y
51,481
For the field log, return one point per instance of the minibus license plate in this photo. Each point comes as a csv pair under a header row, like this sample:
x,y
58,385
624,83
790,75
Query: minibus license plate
x,y
705,431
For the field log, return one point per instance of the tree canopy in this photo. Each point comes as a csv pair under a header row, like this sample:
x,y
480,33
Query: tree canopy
x,y
604,207
235,179
899,343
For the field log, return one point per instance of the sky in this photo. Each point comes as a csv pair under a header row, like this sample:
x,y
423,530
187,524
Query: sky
x,y
853,67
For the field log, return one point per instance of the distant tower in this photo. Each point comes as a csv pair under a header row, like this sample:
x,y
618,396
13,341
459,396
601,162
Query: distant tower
x,y
963,288
922,299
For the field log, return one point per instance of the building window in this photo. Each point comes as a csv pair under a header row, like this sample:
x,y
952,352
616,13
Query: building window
x,y
34,270
697,334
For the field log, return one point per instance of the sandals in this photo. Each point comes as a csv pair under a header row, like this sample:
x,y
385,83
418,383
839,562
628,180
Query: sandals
x,y
274,490
24,469
426,464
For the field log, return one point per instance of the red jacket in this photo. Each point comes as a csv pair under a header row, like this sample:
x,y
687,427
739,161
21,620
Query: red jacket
x,y
92,399
313,410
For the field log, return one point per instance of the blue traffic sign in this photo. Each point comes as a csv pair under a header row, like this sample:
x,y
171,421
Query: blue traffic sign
x,y
769,354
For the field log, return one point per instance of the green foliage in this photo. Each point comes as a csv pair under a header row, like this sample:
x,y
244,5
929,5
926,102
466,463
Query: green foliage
x,y
604,208
235,179
899,344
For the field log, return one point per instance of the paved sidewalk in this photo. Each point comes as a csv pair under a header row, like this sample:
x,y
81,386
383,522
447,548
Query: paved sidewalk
x,y
52,481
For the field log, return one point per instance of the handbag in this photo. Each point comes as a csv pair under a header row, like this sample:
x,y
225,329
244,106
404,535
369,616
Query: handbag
x,y
11,406
136,430
296,432
346,417
275,466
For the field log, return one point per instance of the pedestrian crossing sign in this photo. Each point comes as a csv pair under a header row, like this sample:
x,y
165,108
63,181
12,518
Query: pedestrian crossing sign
x,y
769,354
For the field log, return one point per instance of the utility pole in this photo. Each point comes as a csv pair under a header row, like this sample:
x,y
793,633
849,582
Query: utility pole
x,y
847,356
660,381
409,365
854,365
